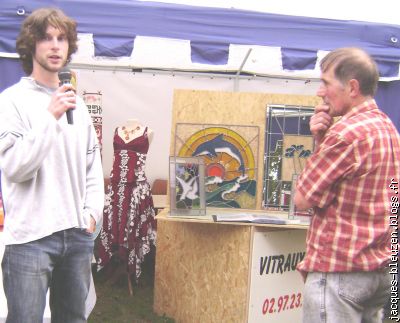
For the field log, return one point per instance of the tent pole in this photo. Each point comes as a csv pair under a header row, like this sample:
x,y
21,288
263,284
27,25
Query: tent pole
x,y
193,73
236,81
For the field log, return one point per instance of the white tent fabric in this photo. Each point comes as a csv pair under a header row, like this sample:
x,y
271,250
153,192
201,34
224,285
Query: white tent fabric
x,y
372,11
262,60
174,54
148,97
140,34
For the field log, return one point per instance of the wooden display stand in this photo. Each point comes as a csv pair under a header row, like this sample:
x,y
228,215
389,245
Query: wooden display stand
x,y
211,272
217,272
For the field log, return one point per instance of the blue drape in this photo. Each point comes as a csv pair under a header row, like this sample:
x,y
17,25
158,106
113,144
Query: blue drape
x,y
115,24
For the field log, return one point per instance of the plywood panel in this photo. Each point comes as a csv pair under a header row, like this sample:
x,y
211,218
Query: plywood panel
x,y
202,272
212,107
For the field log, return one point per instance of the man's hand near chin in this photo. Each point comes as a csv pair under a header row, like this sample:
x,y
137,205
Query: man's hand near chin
x,y
320,122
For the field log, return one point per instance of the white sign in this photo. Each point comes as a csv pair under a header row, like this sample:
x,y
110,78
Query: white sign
x,y
95,107
276,288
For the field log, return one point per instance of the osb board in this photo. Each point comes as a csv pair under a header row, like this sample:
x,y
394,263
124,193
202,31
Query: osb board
x,y
232,108
202,272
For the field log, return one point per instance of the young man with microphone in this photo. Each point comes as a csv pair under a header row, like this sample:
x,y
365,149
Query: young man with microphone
x,y
52,178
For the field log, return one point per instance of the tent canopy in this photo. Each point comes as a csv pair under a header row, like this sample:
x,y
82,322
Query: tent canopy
x,y
140,35
197,38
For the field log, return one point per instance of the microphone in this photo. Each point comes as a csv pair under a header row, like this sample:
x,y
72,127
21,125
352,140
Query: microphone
x,y
65,75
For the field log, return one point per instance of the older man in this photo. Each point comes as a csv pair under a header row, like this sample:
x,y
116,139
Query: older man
x,y
347,182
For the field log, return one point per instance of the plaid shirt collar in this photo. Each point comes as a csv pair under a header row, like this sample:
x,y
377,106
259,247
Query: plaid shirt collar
x,y
361,108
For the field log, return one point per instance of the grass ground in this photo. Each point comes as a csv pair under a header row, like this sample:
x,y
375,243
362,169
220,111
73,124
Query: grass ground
x,y
115,304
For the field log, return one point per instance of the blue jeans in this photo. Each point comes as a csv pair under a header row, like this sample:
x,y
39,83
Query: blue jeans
x,y
346,297
61,262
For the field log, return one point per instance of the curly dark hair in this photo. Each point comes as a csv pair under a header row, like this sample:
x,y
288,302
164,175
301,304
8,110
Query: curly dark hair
x,y
34,29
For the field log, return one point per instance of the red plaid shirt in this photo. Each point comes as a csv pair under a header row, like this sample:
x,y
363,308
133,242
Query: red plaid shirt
x,y
347,181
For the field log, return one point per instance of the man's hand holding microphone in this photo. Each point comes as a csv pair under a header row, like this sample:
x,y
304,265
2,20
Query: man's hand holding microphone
x,y
64,99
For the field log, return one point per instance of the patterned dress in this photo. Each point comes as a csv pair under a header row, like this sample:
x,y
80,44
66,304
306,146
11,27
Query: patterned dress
x,y
129,226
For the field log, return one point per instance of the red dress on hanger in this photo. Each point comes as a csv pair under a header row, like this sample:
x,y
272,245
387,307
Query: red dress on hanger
x,y
129,225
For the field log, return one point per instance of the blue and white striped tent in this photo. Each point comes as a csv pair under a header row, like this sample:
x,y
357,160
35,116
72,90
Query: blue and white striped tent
x,y
181,37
